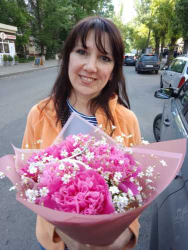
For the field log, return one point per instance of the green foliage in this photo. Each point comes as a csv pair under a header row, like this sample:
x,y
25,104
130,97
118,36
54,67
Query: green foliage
x,y
16,58
182,16
10,58
5,58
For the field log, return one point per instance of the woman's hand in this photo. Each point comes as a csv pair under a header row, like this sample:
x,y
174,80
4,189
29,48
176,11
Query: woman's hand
x,y
118,244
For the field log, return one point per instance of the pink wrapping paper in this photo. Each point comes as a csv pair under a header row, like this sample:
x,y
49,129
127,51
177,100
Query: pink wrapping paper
x,y
101,229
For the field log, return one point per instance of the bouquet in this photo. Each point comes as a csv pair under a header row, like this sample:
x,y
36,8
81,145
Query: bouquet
x,y
86,180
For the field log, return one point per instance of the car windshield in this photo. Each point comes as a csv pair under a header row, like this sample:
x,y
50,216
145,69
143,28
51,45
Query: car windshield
x,y
149,58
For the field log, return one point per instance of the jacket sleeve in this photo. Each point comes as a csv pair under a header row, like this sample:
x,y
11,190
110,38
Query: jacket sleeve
x,y
29,135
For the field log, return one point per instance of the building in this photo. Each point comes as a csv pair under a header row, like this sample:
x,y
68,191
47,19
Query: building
x,y
7,41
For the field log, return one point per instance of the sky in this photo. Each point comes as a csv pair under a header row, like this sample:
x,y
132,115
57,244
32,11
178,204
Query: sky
x,y
128,10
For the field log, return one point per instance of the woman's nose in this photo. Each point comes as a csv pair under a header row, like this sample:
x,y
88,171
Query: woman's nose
x,y
91,64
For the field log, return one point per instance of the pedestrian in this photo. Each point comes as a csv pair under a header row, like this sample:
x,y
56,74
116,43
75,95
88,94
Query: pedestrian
x,y
90,83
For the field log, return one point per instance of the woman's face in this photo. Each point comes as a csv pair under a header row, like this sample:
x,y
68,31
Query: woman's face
x,y
89,69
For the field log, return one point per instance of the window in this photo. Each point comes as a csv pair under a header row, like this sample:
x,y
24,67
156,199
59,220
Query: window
x,y
6,47
178,66
183,95
150,58
1,47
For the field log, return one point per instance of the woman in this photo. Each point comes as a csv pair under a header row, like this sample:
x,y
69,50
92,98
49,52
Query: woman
x,y
90,82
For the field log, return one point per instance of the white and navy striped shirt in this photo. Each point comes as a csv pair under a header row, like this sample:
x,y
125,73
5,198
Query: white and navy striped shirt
x,y
91,119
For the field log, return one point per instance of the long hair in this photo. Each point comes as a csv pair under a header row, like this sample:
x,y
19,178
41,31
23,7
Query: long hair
x,y
62,87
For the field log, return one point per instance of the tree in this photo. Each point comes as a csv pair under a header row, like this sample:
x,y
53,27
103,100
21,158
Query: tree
x,y
14,13
182,16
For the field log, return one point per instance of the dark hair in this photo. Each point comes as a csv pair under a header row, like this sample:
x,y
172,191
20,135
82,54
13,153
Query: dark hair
x,y
62,87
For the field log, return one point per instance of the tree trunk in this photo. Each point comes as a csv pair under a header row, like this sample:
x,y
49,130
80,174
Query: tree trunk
x,y
157,42
185,48
171,51
162,47
148,40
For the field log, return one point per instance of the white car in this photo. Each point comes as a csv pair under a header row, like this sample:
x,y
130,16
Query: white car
x,y
175,74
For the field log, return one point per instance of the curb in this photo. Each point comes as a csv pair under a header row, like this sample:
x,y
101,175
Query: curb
x,y
27,71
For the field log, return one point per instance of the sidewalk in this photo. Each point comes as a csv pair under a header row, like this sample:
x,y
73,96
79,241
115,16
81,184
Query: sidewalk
x,y
22,68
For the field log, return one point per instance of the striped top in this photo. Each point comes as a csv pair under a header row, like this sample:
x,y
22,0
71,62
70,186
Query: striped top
x,y
91,119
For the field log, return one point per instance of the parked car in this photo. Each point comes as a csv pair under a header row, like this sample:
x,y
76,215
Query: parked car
x,y
148,62
169,228
129,59
175,74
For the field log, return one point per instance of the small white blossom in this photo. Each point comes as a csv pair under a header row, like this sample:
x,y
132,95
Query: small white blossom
x,y
61,166
31,195
66,178
145,142
139,188
64,153
163,163
77,151
32,169
39,141
141,174
119,139
149,171
8,168
12,188
121,162
132,179
113,127
114,190
24,179
90,155
22,157
118,175
148,181
2,175
44,191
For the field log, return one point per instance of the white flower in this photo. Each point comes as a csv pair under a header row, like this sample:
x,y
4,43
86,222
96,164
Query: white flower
x,y
77,151
32,169
8,168
119,139
2,175
148,181
163,163
44,191
12,188
132,179
141,174
149,171
113,127
39,141
145,142
31,195
64,153
22,156
90,155
118,175
98,127
61,166
114,190
121,162
127,136
139,188
24,179
66,178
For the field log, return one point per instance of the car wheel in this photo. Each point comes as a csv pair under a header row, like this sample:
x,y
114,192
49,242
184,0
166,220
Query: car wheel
x,y
138,71
135,69
161,83
156,72
157,127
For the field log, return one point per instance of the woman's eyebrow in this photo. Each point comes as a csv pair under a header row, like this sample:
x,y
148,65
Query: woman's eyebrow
x,y
81,45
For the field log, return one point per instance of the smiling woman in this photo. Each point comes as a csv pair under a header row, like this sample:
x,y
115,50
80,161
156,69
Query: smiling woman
x,y
91,83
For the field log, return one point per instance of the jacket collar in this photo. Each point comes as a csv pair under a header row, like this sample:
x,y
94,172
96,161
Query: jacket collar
x,y
49,112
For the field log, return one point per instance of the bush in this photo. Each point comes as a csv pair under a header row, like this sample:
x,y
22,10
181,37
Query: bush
x,y
5,58
16,58
10,58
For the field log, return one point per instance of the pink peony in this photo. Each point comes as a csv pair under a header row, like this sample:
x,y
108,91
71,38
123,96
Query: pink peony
x,y
86,193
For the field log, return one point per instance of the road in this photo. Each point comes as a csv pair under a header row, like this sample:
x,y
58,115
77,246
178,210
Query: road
x,y
18,94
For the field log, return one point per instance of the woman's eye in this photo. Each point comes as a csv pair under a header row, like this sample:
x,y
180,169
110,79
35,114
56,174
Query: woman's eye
x,y
81,51
105,59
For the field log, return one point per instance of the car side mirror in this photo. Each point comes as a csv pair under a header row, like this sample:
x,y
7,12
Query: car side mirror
x,y
166,93
165,68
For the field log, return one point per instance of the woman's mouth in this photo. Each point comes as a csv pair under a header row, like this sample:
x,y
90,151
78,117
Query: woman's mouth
x,y
87,79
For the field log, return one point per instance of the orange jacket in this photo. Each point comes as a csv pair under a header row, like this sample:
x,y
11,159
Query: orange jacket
x,y
41,130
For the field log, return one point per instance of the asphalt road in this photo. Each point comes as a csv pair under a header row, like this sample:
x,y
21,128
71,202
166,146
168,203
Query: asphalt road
x,y
18,94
